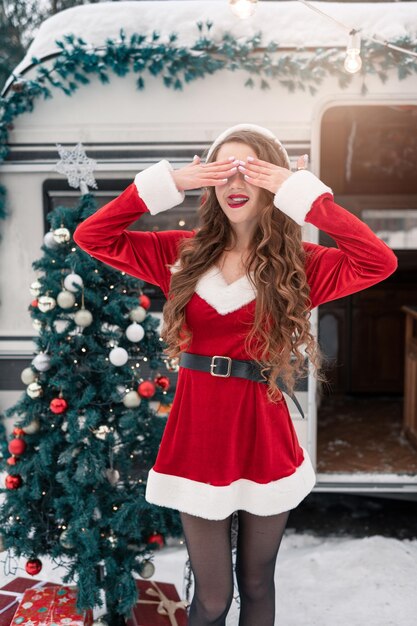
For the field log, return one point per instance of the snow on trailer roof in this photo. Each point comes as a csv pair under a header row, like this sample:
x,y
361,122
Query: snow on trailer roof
x,y
291,24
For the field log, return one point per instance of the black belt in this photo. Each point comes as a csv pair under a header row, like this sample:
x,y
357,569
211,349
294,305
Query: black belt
x,y
224,366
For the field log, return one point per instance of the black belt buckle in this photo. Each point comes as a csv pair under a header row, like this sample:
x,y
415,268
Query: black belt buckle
x,y
213,365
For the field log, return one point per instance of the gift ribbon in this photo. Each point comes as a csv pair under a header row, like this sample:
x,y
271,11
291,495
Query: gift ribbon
x,y
165,605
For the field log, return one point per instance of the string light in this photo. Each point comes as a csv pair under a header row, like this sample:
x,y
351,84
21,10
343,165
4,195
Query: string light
x,y
353,61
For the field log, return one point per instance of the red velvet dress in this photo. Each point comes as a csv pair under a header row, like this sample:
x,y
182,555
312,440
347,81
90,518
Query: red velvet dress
x,y
225,446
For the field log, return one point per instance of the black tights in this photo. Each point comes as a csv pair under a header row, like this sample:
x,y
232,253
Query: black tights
x,y
210,550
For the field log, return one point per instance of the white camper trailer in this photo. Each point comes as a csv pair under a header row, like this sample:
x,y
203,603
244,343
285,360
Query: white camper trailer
x,y
361,430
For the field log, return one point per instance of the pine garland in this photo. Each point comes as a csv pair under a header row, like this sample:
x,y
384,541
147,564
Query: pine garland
x,y
299,69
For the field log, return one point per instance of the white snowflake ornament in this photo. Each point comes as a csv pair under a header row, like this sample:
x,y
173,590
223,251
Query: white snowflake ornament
x,y
77,167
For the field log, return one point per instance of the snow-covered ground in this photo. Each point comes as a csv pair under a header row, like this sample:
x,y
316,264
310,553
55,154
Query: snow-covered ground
x,y
319,581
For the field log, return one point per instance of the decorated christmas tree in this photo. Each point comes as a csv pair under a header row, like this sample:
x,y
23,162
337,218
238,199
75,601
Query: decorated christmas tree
x,y
89,424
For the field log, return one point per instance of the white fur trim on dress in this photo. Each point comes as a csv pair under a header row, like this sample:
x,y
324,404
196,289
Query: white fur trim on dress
x,y
297,194
223,297
218,502
157,187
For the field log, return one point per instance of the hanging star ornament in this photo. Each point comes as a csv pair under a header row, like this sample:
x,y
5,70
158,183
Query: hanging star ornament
x,y
77,167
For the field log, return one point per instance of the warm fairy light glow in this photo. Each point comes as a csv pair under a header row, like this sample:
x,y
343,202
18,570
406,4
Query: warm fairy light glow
x,y
243,8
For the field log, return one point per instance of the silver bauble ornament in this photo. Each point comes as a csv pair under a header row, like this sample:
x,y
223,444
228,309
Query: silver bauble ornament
x,y
83,318
135,332
64,541
49,241
112,475
32,428
65,299
147,569
71,281
62,234
118,356
42,362
37,324
132,399
138,314
100,622
35,288
28,376
34,390
46,303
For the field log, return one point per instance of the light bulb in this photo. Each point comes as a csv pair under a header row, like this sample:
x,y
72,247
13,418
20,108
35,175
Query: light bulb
x,y
353,61
243,8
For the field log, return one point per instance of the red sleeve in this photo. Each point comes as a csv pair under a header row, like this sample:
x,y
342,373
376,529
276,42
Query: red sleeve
x,y
360,260
145,255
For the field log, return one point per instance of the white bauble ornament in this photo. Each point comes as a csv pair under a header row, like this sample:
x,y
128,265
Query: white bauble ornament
x,y
46,303
65,299
34,390
32,428
61,235
112,475
35,288
138,314
28,376
132,399
135,332
83,318
147,569
42,362
118,356
37,324
49,240
71,280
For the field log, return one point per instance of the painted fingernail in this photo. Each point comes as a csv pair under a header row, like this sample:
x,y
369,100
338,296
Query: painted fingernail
x,y
242,169
246,176
231,158
234,169
250,158
241,162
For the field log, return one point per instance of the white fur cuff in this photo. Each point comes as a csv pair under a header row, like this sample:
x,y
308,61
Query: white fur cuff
x,y
157,187
298,192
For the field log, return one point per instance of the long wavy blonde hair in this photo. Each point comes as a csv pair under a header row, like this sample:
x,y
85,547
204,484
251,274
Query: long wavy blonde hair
x,y
281,325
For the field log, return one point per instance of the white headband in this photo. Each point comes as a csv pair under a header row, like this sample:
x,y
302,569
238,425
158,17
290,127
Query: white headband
x,y
254,127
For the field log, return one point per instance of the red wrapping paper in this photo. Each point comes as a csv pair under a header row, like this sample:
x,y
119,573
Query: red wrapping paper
x,y
50,606
159,605
12,593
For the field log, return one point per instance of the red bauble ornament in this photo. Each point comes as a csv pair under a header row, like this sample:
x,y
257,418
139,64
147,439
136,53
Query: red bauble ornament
x,y
17,446
12,460
19,432
13,481
144,301
33,566
146,389
58,405
163,382
156,539
34,303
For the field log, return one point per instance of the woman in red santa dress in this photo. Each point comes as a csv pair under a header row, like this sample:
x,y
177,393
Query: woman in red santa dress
x,y
240,288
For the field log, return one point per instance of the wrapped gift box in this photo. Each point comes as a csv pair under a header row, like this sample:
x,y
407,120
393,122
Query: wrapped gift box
x,y
11,595
159,605
51,605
